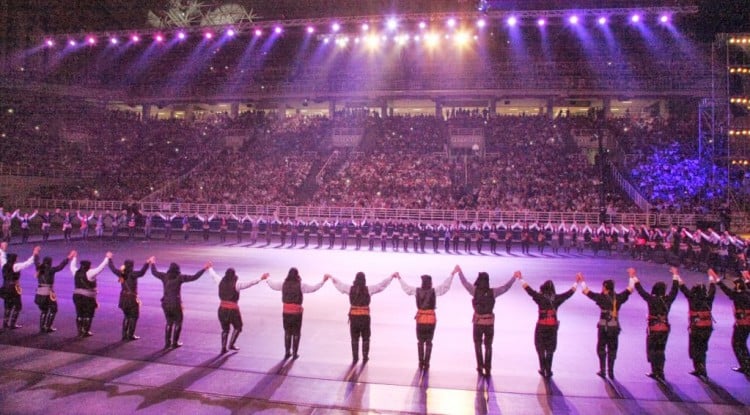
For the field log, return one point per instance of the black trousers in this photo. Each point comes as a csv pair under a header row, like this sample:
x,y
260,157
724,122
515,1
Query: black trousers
x,y
359,326
230,317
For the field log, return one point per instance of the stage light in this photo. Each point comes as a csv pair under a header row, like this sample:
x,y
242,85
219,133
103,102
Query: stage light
x,y
422,25
432,39
181,35
573,19
49,43
664,19
541,22
462,38
451,22
310,29
481,23
159,38
258,32
326,40
277,30
335,27
512,21
91,40
135,38
208,35
372,41
635,18
113,40
392,24
231,32
602,21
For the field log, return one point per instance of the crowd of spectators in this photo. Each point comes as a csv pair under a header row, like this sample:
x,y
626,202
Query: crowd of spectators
x,y
526,162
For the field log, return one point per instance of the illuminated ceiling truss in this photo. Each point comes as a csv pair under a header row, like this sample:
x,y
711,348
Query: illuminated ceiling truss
x,y
195,16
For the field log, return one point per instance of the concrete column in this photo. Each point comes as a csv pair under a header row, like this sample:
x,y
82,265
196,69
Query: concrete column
x,y
550,107
234,110
606,107
384,108
438,109
146,113
492,106
189,112
331,108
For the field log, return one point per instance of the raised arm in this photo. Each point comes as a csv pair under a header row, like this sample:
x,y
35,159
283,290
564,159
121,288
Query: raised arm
x,y
445,286
312,288
381,286
342,287
92,273
247,284
408,289
156,273
275,285
214,275
112,268
191,278
469,286
500,290
29,262
64,262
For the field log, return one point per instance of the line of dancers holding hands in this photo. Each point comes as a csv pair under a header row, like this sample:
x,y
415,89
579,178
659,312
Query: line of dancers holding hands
x,y
483,296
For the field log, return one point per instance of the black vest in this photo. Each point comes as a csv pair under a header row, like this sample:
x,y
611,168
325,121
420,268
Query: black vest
x,y
425,299
228,291
81,281
359,296
291,292
483,302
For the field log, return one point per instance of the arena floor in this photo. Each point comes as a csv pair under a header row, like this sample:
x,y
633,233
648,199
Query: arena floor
x,y
59,373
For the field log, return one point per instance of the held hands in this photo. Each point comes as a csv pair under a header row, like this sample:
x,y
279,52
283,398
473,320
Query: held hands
x,y
456,269
327,277
72,254
517,275
713,276
265,276
579,278
3,246
108,255
631,273
151,260
37,250
208,265
396,275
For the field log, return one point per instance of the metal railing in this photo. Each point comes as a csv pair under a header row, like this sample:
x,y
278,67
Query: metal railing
x,y
739,221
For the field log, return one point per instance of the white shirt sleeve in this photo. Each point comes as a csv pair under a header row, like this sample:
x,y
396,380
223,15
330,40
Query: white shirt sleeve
x,y
214,275
275,285
311,288
73,266
444,287
408,289
18,267
246,284
379,287
342,287
92,273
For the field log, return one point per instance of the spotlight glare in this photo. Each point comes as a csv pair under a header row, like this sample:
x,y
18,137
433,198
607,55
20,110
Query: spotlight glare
x,y
135,38
481,23
462,38
310,29
91,40
664,18
326,40
431,39
602,21
258,32
231,32
635,18
512,21
573,19
365,27
159,38
208,35
181,35
277,30
113,40
451,22
541,22
335,27
49,42
392,24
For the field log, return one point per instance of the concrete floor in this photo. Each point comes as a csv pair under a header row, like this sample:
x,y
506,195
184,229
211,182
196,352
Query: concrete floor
x,y
58,372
